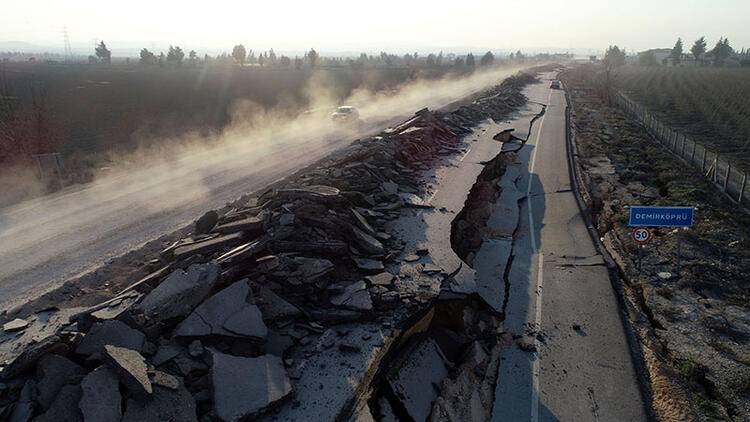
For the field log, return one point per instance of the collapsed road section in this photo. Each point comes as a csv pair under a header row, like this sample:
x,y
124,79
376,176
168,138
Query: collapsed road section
x,y
336,293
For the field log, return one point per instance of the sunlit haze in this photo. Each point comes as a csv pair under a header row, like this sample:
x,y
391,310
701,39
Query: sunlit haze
x,y
339,26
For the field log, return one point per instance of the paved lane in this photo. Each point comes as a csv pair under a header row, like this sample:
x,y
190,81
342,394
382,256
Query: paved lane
x,y
560,299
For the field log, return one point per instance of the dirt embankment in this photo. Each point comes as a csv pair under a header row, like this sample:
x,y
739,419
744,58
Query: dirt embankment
x,y
693,320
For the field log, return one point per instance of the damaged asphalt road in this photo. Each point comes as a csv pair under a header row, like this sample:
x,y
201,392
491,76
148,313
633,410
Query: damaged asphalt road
x,y
414,275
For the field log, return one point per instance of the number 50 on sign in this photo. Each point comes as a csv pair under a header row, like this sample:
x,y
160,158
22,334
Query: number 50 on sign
x,y
641,235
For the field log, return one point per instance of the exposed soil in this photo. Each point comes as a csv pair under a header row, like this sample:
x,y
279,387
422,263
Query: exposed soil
x,y
693,322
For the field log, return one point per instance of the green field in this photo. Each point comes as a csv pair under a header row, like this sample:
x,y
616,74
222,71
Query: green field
x,y
710,105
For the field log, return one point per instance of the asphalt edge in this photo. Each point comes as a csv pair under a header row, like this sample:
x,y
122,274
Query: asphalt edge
x,y
634,344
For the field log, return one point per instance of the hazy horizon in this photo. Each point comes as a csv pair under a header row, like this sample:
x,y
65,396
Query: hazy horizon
x,y
586,25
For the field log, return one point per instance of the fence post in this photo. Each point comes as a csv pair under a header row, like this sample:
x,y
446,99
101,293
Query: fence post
x,y
726,177
716,166
682,154
692,154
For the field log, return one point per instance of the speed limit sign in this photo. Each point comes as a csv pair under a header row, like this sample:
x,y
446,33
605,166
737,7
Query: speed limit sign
x,y
641,235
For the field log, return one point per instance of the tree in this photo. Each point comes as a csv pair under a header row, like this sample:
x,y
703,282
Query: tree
x,y
676,54
487,59
722,51
647,58
271,57
520,55
285,61
175,55
297,63
147,57
239,54
430,59
312,56
470,61
459,62
699,48
261,59
193,57
102,53
613,58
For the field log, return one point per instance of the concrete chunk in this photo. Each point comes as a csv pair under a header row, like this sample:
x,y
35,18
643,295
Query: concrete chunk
x,y
226,313
413,382
130,368
355,297
54,372
101,396
65,406
15,325
179,293
166,405
243,387
274,307
208,246
115,333
367,243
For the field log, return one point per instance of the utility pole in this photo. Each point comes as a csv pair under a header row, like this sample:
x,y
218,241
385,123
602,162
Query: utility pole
x,y
66,40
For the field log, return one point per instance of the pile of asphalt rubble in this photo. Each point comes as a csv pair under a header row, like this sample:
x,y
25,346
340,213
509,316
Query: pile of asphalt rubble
x,y
295,304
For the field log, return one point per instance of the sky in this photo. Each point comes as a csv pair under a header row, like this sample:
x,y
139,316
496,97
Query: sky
x,y
371,26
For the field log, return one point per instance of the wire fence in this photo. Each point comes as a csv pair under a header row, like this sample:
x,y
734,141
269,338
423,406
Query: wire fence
x,y
716,167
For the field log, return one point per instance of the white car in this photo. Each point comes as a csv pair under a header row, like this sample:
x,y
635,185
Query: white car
x,y
345,114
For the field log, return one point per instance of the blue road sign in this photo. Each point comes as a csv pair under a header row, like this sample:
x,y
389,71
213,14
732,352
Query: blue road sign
x,y
661,216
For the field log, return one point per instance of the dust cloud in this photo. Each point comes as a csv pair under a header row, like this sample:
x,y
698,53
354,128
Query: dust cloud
x,y
205,172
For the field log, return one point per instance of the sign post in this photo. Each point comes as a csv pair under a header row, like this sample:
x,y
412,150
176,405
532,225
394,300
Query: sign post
x,y
641,236
643,217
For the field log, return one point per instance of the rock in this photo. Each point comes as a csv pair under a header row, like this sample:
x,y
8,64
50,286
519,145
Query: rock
x,y
23,410
195,348
382,279
390,187
130,368
312,269
165,354
54,372
267,263
226,313
369,265
412,200
206,222
243,387
412,382
286,219
318,193
367,243
115,333
164,379
274,307
179,293
31,352
411,258
65,406
430,268
362,222
15,325
208,246
101,399
665,275
165,405
250,225
355,297
277,344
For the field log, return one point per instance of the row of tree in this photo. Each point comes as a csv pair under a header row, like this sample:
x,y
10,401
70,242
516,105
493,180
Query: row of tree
x,y
721,51
241,56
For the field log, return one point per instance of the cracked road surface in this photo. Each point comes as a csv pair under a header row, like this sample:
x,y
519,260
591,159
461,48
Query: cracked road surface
x,y
560,299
